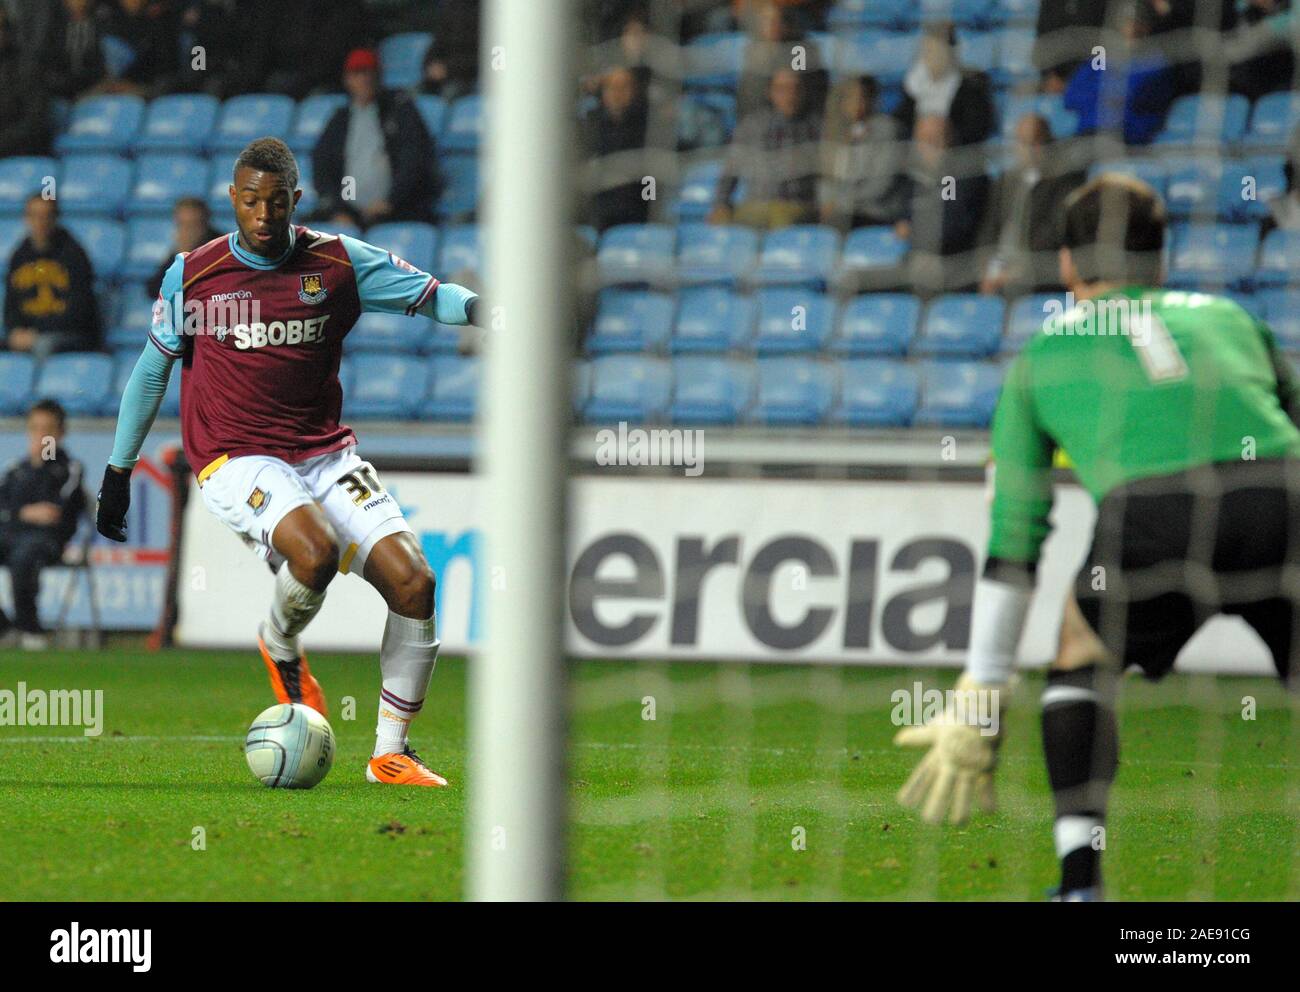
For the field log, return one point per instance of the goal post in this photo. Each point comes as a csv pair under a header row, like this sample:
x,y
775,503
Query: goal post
x,y
517,784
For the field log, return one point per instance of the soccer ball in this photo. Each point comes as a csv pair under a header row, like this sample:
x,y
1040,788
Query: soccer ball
x,y
289,746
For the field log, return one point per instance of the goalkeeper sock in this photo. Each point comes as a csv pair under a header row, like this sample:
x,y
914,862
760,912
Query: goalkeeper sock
x,y
292,608
1081,744
406,659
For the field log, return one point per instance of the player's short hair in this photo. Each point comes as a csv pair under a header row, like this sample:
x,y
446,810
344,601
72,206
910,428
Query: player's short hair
x,y
269,155
53,407
193,203
1115,230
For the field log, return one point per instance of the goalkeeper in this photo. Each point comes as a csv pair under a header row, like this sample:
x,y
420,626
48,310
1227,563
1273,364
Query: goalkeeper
x,y
1179,416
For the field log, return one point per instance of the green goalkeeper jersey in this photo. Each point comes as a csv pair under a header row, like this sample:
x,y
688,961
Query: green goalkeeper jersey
x,y
1142,382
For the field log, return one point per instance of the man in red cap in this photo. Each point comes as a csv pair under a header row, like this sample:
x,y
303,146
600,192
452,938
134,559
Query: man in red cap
x,y
374,161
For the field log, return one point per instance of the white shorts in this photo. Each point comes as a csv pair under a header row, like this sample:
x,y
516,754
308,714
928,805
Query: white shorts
x,y
251,494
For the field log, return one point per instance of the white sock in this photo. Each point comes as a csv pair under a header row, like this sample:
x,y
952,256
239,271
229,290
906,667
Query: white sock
x,y
292,608
406,660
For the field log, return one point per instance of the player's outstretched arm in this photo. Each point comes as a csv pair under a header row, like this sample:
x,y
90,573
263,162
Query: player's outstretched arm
x,y
140,402
389,284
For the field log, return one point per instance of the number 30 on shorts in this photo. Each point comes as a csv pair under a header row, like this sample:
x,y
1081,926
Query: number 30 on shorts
x,y
361,483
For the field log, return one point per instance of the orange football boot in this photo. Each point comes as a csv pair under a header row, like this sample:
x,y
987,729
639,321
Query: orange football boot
x,y
293,681
405,768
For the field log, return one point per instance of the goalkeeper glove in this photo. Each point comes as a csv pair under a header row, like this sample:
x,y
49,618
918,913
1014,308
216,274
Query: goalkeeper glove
x,y
112,503
959,765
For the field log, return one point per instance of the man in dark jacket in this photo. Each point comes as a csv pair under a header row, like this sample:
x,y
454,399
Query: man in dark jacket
x,y
50,297
379,143
612,133
41,501
24,109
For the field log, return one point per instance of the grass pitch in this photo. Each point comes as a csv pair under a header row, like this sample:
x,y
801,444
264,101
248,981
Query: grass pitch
x,y
688,781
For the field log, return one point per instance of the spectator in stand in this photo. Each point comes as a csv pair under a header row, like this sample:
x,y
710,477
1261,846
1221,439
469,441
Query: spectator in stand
x,y
1065,35
451,63
775,154
50,294
945,212
864,160
1130,91
149,32
1024,212
32,25
75,63
41,502
777,42
305,43
937,86
222,28
1270,70
192,227
610,131
378,142
24,111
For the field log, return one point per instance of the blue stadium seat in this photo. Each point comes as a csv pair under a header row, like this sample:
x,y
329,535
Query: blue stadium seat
x,y
848,15
793,391
636,254
461,253
962,325
886,55
461,187
715,253
633,388
179,122
23,175
1212,255
1193,189
1281,311
388,332
81,381
801,255
411,240
713,61
711,390
103,240
162,179
401,59
631,320
1017,11
1247,187
389,386
1204,119
877,324
699,184
95,184
463,127
149,244
440,339
454,389
17,374
871,249
1279,259
220,174
1247,301
876,392
250,116
1150,171
965,13
793,320
310,119
433,111
958,394
306,181
705,119
1028,317
710,318
1015,58
1272,121
977,50
119,337
102,124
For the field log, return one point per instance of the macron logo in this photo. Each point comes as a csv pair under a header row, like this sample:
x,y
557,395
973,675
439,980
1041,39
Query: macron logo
x,y
77,946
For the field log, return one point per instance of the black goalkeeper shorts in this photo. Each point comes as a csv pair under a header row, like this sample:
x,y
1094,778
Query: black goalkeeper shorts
x,y
1170,552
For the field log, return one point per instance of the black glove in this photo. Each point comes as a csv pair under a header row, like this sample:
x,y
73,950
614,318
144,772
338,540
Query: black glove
x,y
111,506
